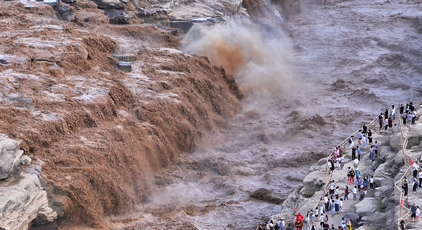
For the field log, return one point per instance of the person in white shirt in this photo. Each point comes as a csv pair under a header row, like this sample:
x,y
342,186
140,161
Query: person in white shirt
x,y
415,165
393,112
371,182
355,192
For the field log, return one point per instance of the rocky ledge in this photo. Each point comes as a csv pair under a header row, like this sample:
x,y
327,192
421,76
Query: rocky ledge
x,y
380,207
23,199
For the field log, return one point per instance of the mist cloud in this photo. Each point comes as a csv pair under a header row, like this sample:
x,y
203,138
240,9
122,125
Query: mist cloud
x,y
255,54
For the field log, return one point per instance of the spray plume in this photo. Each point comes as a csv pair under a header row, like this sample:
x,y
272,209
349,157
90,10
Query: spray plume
x,y
255,54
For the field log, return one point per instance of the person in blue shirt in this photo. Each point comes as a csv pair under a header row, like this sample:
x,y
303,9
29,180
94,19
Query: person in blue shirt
x,y
359,152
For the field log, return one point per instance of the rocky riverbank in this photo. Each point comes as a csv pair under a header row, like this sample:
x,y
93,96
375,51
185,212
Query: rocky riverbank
x,y
380,208
23,195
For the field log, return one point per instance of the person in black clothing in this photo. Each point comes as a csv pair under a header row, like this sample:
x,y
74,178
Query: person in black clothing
x,y
326,226
401,108
402,225
411,107
364,129
370,137
420,178
354,152
405,187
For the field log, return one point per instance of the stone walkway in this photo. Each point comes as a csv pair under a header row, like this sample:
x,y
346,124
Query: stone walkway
x,y
414,197
341,180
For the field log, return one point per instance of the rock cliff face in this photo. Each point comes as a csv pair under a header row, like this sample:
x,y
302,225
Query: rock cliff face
x,y
23,201
22,198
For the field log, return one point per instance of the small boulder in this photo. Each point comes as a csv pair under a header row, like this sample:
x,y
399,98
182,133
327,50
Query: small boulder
x,y
322,161
395,142
383,191
314,179
366,207
26,160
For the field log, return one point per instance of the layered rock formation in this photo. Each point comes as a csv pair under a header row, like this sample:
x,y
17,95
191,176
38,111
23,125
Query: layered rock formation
x,y
23,201
10,157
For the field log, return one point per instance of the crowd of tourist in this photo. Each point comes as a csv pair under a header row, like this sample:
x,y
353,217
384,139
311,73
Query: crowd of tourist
x,y
332,203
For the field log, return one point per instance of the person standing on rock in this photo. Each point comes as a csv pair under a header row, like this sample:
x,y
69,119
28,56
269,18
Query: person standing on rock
x,y
370,136
346,193
357,174
337,205
404,117
332,165
364,129
365,181
360,136
371,153
402,225
413,117
281,224
359,152
325,225
390,123
351,142
411,107
353,152
352,176
409,118
322,210
376,148
405,188
359,182
333,208
420,177
332,187
415,183
374,166
380,120
312,217
364,140
371,182
415,169
316,213
327,203
418,214
413,209
355,192
401,109
393,112
386,123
